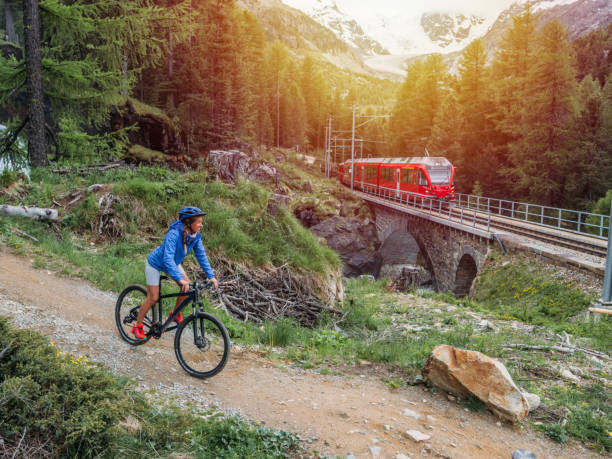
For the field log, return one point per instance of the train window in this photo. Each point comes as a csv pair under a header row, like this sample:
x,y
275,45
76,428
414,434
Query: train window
x,y
386,174
370,173
422,178
407,176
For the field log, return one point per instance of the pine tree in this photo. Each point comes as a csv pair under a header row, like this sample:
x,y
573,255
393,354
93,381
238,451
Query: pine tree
x,y
90,54
37,144
509,79
539,155
477,130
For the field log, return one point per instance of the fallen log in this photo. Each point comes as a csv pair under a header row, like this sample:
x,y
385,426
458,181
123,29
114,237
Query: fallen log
x,y
29,212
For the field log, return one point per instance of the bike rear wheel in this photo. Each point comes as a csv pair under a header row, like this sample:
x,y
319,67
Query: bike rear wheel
x,y
202,345
126,313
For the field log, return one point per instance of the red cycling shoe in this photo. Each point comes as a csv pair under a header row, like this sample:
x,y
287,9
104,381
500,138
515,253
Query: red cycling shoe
x,y
179,318
138,332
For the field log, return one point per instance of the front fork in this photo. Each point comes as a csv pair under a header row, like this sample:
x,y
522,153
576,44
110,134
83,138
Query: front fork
x,y
199,333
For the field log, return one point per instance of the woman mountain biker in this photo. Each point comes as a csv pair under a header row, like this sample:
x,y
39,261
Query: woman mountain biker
x,y
182,236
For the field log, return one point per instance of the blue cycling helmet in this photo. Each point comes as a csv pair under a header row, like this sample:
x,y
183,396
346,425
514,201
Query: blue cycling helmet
x,y
190,211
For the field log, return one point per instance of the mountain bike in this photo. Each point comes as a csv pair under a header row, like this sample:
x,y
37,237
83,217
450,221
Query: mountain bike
x,y
201,342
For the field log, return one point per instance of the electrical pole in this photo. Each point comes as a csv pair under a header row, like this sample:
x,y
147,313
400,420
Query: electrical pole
x,y
353,152
329,129
325,146
607,292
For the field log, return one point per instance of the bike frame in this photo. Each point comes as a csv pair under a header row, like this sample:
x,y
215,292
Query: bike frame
x,y
190,297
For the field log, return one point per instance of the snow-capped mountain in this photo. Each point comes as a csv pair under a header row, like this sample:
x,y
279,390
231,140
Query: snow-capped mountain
x,y
411,29
447,29
329,14
400,28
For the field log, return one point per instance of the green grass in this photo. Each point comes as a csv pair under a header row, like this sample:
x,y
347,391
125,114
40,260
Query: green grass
x,y
590,413
237,226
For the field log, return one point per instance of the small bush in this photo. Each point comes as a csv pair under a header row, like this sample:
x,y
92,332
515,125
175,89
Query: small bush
x,y
7,178
56,397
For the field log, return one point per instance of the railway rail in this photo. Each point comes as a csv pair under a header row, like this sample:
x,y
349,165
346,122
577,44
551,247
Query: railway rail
x,y
486,220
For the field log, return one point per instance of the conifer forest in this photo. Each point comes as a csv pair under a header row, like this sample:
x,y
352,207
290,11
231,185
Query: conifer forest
x,y
530,120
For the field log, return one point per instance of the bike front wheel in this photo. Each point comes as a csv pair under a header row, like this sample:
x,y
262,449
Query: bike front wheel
x,y
126,313
202,345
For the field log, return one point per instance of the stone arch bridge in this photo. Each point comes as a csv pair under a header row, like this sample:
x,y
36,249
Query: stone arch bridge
x,y
454,254
454,243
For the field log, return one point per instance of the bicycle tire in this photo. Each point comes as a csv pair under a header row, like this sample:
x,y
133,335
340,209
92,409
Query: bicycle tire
x,y
208,358
126,312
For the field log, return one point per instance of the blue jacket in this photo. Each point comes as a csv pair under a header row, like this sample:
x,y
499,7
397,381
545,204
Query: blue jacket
x,y
171,253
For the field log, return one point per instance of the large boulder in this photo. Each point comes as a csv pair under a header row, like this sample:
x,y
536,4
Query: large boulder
x,y
229,164
463,373
354,240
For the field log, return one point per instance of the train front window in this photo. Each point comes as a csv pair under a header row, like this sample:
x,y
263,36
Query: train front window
x,y
439,175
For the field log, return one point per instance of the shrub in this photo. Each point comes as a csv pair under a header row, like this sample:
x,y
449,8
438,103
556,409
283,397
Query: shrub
x,y
55,396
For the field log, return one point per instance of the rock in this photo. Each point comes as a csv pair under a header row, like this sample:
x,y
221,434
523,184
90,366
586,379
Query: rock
x,y
417,436
375,451
565,373
463,373
229,164
355,241
156,131
275,202
307,187
262,173
411,414
350,456
577,371
523,454
405,276
401,456
533,400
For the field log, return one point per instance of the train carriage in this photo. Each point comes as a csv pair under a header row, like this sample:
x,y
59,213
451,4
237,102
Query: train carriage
x,y
428,176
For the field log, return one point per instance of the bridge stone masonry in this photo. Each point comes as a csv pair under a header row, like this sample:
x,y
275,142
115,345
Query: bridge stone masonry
x,y
454,241
454,255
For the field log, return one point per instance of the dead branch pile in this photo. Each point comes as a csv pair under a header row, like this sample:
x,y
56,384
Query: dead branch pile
x,y
260,295
24,446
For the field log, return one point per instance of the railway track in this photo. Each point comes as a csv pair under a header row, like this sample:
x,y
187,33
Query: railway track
x,y
568,240
481,220
557,237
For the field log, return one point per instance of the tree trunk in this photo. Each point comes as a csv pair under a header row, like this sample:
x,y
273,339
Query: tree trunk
x,y
37,145
11,35
29,212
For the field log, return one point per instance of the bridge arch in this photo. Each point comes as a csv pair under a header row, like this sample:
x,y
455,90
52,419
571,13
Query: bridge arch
x,y
467,270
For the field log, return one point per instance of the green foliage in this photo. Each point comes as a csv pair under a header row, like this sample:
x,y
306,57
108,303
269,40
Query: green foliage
x,y
602,207
63,399
281,332
7,177
518,290
474,404
590,415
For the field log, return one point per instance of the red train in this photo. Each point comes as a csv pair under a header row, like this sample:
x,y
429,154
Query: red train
x,y
429,176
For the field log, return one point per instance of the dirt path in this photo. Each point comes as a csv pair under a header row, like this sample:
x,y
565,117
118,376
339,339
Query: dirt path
x,y
338,414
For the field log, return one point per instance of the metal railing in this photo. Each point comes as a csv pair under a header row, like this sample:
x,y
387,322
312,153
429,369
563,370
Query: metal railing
x,y
469,209
433,206
595,225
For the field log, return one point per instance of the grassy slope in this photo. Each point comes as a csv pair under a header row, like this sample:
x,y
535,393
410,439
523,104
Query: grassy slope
x,y
237,226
